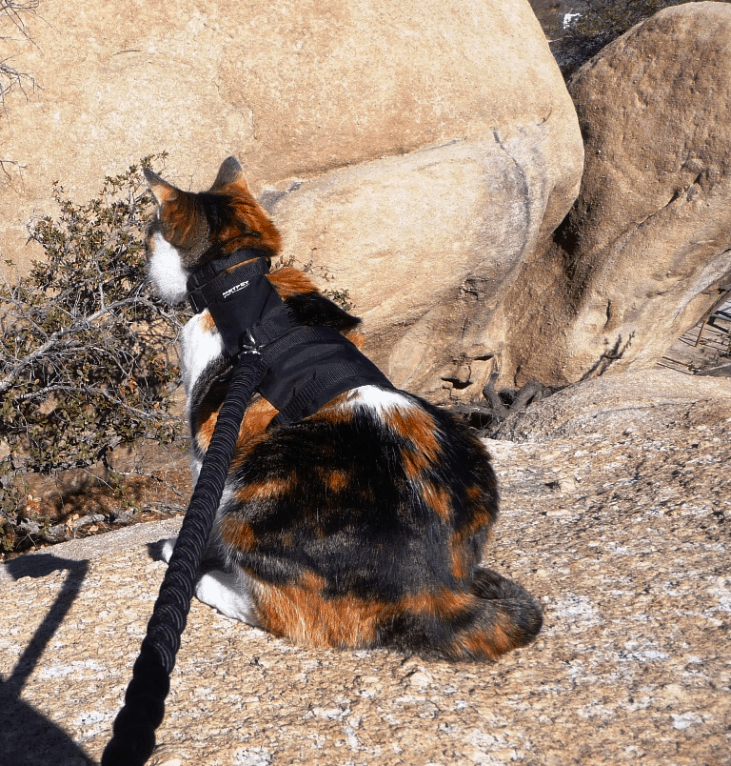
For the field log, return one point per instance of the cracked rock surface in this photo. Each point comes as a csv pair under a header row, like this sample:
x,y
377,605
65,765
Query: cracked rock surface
x,y
616,514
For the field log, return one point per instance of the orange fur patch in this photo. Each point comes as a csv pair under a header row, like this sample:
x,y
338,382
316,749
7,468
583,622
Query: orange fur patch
x,y
489,643
460,563
207,324
333,411
356,338
335,480
258,230
265,490
289,281
305,615
460,554
415,462
253,429
476,494
437,498
238,534
481,518
416,425
444,603
208,417
258,416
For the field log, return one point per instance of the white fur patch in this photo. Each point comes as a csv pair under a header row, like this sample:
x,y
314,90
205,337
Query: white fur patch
x,y
166,271
167,549
227,592
198,347
382,400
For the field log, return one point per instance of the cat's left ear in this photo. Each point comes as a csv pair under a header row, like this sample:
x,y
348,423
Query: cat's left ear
x,y
161,190
230,172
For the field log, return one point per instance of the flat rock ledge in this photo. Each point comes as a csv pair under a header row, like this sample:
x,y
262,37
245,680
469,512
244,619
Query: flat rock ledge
x,y
623,532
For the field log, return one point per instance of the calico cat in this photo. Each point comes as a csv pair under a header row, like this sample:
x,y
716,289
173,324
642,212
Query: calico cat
x,y
359,525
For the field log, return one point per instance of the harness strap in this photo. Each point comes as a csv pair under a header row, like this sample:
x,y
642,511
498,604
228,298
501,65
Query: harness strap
x,y
211,269
304,366
250,317
320,391
213,282
308,367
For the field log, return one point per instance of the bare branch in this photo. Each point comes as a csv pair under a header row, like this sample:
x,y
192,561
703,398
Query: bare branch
x,y
83,346
14,10
77,327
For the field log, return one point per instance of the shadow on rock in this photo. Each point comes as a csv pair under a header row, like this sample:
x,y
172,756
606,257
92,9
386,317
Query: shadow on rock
x,y
27,737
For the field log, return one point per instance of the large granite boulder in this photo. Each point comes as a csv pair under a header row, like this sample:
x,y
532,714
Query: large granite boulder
x,y
644,252
413,154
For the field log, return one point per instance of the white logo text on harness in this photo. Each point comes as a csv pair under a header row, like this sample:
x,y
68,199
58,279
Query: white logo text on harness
x,y
235,289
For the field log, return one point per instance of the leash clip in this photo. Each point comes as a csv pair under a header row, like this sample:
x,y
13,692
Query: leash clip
x,y
249,345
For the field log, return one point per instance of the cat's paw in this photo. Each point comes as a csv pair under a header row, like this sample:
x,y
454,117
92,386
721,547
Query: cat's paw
x,y
227,593
167,549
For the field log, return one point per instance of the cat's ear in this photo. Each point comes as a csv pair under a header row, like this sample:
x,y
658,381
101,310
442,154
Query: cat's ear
x,y
161,190
230,172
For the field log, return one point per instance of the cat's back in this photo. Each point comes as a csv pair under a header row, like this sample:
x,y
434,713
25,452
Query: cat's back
x,y
375,476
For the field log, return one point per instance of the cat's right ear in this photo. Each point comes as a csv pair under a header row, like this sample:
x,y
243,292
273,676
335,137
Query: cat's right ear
x,y
161,190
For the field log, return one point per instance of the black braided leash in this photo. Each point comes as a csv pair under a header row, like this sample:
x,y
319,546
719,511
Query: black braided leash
x,y
134,728
296,368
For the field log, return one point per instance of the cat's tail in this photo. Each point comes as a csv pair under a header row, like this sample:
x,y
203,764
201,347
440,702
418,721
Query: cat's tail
x,y
500,617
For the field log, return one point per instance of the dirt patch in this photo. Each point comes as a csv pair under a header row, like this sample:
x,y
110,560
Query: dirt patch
x,y
145,484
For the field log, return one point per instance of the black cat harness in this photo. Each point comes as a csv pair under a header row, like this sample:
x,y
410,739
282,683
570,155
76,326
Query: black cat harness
x,y
305,366
298,368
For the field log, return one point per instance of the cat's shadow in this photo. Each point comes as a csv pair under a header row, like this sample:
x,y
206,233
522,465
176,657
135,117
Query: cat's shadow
x,y
154,550
211,561
27,736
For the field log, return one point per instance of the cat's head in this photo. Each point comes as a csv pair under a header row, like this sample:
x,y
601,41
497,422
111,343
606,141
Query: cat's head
x,y
190,228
